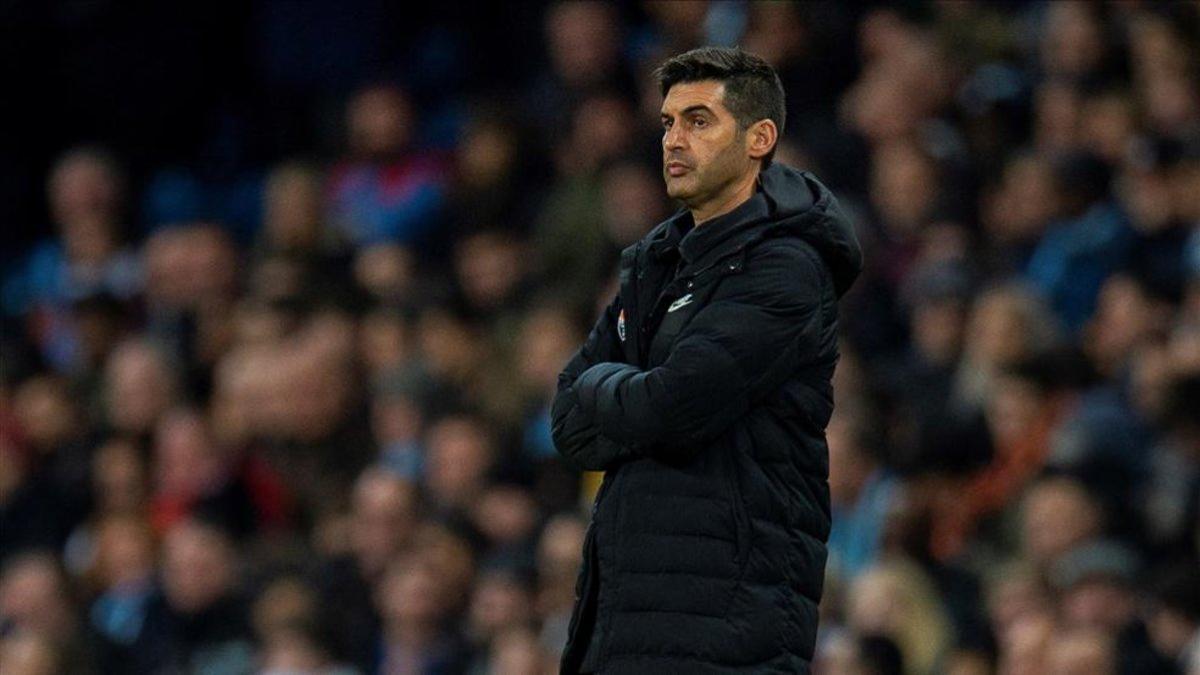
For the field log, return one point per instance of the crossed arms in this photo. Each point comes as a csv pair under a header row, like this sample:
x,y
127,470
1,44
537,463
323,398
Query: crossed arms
x,y
741,346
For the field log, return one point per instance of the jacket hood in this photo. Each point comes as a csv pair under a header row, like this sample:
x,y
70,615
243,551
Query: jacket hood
x,y
806,208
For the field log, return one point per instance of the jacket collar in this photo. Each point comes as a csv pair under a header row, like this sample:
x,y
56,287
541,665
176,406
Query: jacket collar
x,y
788,201
727,227
679,234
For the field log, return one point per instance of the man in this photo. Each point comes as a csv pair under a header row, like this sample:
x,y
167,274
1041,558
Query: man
x,y
703,392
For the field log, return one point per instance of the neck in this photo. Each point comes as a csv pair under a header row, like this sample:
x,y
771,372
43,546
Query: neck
x,y
726,201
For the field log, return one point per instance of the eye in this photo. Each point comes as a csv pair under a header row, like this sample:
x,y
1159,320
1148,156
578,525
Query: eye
x,y
666,122
700,122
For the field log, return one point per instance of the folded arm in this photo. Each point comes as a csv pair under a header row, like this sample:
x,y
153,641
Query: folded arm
x,y
575,434
745,343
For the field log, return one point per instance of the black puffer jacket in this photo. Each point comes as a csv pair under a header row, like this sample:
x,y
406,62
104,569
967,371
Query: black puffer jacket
x,y
704,391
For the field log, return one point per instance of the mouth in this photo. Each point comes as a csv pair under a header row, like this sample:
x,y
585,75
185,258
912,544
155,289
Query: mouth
x,y
676,169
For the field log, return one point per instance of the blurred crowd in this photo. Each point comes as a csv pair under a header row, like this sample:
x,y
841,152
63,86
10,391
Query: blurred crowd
x,y
298,421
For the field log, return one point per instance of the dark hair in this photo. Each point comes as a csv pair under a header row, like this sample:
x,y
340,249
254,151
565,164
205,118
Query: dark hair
x,y
753,91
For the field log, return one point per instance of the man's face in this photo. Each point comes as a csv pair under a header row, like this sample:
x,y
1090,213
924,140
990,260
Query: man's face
x,y
704,148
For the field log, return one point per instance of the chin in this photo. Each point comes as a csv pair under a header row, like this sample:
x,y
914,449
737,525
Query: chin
x,y
677,191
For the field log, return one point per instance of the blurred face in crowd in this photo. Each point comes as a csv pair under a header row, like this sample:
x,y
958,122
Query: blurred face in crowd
x,y
1073,43
1150,378
548,338
187,460
190,266
936,326
118,477
1171,101
488,267
452,560
499,601
600,132
879,108
680,22
292,219
258,323
559,548
1057,515
1014,597
1155,46
138,387
518,652
1023,649
289,651
1146,192
582,37
384,270
1108,125
883,33
505,514
839,656
383,518
236,406
487,154
1056,117
1098,603
396,419
1170,630
903,186
632,202
287,601
44,408
383,340
410,595
318,385
459,456
1082,653
1023,204
33,597
449,345
85,196
877,603
849,465
906,79
1124,318
1006,324
775,32
1184,347
124,551
707,155
380,122
276,278
26,653
198,567
1012,409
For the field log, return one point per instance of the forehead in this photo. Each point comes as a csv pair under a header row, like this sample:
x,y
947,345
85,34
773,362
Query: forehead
x,y
708,93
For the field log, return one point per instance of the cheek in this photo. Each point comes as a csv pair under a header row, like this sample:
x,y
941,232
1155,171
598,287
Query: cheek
x,y
708,150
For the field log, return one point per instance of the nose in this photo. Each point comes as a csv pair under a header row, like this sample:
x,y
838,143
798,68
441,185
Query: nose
x,y
673,138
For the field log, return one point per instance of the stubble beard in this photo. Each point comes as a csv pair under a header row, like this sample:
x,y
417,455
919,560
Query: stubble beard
x,y
709,181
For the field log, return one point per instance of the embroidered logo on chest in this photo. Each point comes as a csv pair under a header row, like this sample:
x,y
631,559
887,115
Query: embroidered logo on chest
x,y
685,300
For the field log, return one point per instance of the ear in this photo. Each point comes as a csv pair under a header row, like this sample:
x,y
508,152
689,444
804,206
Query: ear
x,y
760,138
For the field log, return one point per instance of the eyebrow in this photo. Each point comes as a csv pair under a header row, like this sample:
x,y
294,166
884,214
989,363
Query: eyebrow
x,y
692,109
